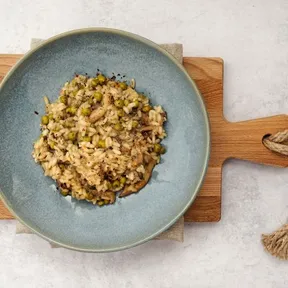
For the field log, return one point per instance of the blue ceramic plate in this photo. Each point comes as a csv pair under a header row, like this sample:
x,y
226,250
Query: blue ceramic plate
x,y
33,198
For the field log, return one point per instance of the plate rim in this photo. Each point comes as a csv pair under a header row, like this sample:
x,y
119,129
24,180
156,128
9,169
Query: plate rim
x,y
203,108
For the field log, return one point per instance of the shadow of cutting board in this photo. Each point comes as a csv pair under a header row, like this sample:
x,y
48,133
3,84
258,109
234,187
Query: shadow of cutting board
x,y
241,140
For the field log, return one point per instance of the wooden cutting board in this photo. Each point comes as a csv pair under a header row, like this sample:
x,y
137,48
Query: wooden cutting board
x,y
242,140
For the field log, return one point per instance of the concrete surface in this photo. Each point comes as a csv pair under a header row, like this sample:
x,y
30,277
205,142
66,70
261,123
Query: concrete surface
x,y
252,37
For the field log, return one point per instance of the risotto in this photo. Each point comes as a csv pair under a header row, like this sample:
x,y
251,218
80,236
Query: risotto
x,y
100,137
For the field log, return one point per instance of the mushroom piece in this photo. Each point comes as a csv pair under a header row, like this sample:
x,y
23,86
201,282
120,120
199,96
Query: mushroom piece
x,y
136,187
138,159
145,119
100,112
147,128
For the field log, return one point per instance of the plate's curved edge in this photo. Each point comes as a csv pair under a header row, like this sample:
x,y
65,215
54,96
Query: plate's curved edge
x,y
207,155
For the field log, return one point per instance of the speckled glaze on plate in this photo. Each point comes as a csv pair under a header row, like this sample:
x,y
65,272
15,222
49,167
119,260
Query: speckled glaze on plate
x,y
33,198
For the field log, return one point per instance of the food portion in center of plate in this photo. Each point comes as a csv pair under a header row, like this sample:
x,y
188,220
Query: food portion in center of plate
x,y
100,137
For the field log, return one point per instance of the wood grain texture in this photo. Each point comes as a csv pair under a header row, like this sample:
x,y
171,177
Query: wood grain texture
x,y
242,140
4,212
7,61
208,75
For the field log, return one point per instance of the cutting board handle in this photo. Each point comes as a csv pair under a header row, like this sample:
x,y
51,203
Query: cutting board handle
x,y
245,140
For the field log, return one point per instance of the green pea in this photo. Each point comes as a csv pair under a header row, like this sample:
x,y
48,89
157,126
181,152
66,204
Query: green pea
x,y
146,108
123,85
109,185
86,138
94,82
72,136
100,203
101,78
86,111
101,144
63,99
157,148
56,129
68,124
74,82
64,192
126,102
98,96
52,144
134,124
136,102
106,201
121,113
123,180
119,103
45,120
90,101
50,116
71,110
118,126
116,184
163,150
142,97
89,196
62,166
